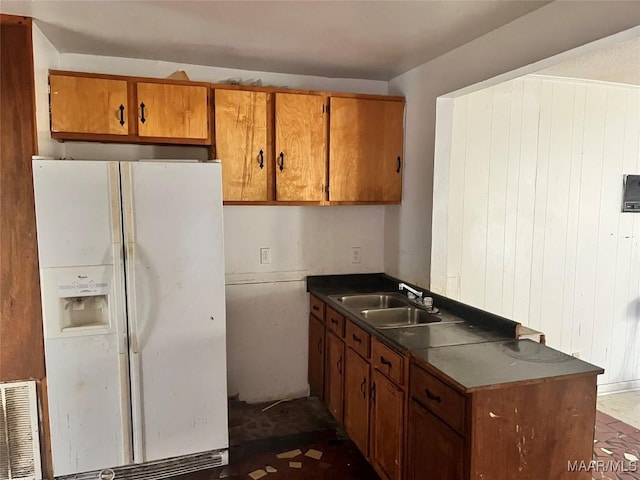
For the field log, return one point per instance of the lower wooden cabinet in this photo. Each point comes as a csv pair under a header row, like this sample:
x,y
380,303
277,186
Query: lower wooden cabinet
x,y
387,421
334,371
436,451
316,357
356,399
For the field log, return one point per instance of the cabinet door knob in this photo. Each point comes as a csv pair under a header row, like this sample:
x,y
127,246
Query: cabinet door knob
x,y
399,165
281,162
261,161
121,108
362,387
356,338
142,118
334,321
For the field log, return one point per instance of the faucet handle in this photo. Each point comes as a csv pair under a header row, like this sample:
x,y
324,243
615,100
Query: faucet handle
x,y
411,296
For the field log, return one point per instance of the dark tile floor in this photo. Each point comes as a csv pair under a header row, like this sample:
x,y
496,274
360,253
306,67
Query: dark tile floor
x,y
617,445
256,437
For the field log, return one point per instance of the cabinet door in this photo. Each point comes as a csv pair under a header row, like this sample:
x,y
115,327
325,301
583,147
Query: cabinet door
x,y
172,111
365,158
316,357
241,144
356,399
435,451
334,380
88,105
301,152
387,416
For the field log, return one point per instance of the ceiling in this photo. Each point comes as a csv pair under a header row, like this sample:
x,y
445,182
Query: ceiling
x,y
619,63
353,39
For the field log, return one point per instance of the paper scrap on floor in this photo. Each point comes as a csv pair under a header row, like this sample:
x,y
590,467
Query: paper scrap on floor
x,y
295,464
270,469
289,454
257,474
315,454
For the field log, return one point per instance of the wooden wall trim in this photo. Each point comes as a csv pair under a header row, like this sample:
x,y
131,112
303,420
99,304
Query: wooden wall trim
x,y
21,336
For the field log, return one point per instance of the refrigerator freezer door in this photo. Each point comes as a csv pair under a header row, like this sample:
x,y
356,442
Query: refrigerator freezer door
x,y
175,289
75,213
78,217
86,413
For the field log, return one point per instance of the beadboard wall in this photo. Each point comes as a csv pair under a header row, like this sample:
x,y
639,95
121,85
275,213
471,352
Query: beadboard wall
x,y
535,230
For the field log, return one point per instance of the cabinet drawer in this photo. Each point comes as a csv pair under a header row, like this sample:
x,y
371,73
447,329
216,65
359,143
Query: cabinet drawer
x,y
358,339
317,308
335,322
387,361
441,399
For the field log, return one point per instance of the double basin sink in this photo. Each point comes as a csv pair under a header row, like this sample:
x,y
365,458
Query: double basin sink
x,y
391,310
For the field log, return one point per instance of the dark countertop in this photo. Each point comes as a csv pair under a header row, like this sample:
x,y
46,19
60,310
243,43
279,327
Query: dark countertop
x,y
481,352
481,365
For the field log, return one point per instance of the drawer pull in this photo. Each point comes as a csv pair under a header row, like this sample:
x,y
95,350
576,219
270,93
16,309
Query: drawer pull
x,y
334,321
320,346
386,362
362,387
356,338
432,396
316,308
339,365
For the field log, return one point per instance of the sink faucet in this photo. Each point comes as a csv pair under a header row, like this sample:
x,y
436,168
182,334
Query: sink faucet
x,y
413,293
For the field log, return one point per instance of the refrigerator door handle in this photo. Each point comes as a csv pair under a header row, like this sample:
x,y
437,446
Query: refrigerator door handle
x,y
134,342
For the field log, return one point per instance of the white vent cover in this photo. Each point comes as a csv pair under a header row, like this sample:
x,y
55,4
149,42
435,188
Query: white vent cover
x,y
19,441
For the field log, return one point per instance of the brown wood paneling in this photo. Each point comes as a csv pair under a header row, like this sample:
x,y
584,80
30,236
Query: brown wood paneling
x,y
241,143
21,352
316,357
435,451
21,338
533,431
356,399
334,375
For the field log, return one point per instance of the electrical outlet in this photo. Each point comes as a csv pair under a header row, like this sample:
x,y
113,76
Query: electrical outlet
x,y
265,256
355,254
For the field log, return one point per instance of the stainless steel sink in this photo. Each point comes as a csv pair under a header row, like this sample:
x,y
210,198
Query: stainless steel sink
x,y
371,301
398,317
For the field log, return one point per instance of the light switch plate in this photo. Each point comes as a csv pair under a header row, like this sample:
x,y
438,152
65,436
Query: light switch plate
x,y
265,256
355,254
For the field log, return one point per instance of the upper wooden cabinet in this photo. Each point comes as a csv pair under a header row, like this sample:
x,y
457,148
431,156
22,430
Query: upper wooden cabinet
x,y
173,111
301,147
89,105
242,144
109,108
365,159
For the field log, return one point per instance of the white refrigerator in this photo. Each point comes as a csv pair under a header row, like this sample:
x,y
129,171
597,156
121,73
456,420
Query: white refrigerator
x,y
132,281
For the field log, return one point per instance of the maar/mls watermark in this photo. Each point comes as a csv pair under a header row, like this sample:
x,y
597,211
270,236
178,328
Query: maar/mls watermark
x,y
603,466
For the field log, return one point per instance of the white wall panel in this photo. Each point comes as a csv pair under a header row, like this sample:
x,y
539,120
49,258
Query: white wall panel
x,y
535,231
